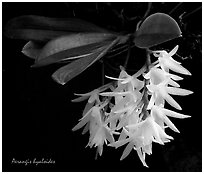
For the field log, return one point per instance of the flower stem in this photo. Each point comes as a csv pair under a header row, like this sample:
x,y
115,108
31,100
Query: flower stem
x,y
145,96
148,60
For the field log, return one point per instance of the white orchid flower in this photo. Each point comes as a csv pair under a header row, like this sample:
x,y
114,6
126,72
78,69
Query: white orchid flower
x,y
125,78
166,61
99,132
128,112
162,90
159,81
141,135
157,76
160,115
93,95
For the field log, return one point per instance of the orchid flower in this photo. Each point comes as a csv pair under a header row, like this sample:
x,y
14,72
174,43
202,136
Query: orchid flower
x,y
134,109
157,75
93,95
159,81
163,91
142,135
99,132
166,62
160,115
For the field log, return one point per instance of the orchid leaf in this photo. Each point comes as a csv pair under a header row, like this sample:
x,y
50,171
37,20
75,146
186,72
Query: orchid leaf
x,y
68,72
32,49
156,29
64,43
43,29
70,54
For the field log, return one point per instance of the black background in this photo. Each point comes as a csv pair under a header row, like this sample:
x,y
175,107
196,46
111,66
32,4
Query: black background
x,y
37,113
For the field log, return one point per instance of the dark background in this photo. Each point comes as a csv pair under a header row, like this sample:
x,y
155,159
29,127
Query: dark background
x,y
37,113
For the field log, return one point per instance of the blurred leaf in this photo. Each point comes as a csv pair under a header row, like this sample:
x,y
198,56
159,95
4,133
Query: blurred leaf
x,y
68,72
40,28
32,49
70,54
156,29
72,41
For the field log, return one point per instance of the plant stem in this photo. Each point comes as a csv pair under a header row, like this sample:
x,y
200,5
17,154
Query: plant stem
x,y
145,96
188,14
175,8
148,60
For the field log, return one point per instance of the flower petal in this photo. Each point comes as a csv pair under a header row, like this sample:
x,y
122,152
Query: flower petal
x,y
170,124
119,143
123,74
159,100
123,135
83,121
127,80
161,115
178,91
104,87
172,52
113,78
176,67
154,128
94,97
86,128
100,149
127,150
165,138
86,94
87,108
174,114
121,104
147,149
87,114
79,99
138,84
142,157
175,77
171,101
151,102
174,60
173,83
109,135
128,109
114,93
161,133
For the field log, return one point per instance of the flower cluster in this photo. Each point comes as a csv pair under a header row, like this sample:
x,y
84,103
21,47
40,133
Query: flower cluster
x,y
133,112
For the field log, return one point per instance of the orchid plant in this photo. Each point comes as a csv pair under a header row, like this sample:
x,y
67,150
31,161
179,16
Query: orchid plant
x,y
131,110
